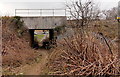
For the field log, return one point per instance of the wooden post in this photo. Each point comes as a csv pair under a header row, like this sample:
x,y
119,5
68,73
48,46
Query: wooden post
x,y
119,30
119,39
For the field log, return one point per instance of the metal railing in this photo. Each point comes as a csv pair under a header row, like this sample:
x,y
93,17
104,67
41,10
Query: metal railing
x,y
39,12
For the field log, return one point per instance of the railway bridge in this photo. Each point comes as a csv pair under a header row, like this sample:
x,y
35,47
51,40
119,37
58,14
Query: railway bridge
x,y
36,19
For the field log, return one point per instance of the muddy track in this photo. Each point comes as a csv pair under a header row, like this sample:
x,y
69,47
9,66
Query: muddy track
x,y
35,68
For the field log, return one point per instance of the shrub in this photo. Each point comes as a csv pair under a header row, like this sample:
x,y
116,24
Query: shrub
x,y
18,22
85,55
19,25
60,29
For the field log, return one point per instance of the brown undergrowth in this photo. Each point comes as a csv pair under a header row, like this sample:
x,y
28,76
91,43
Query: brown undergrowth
x,y
85,55
16,49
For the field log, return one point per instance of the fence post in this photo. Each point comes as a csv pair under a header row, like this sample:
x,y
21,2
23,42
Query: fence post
x,y
53,12
65,12
40,12
119,30
28,12
15,12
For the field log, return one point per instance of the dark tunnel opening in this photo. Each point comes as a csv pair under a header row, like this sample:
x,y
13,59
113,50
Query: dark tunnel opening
x,y
45,36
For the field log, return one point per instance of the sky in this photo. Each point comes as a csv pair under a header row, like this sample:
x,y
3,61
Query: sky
x,y
7,7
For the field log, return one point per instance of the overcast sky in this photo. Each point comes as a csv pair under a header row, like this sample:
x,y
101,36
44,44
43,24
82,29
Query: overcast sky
x,y
7,7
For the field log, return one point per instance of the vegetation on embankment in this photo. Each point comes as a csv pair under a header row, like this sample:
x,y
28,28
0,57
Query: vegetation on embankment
x,y
85,54
108,27
60,29
16,50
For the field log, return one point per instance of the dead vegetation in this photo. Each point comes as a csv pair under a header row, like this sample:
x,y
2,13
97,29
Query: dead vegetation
x,y
16,50
85,55
108,27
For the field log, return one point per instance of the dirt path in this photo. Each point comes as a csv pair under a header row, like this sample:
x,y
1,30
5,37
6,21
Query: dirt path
x,y
35,68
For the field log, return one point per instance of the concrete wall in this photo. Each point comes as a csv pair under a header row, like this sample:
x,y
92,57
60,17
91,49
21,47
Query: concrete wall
x,y
46,22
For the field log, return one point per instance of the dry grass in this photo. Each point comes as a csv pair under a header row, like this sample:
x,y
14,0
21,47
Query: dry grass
x,y
85,55
108,27
16,50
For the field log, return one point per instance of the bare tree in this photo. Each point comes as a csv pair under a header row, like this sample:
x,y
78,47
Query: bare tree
x,y
82,12
110,14
114,12
96,13
106,14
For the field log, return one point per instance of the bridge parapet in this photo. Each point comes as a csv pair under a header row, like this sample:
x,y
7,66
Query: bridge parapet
x,y
34,18
44,22
40,12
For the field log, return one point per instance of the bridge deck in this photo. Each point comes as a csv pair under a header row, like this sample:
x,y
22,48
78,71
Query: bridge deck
x,y
44,22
